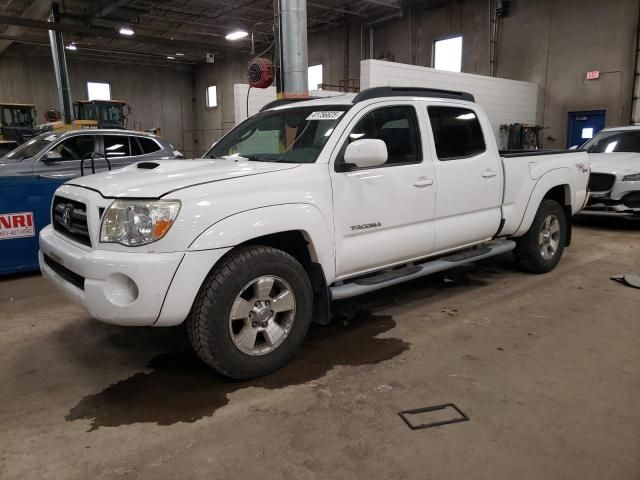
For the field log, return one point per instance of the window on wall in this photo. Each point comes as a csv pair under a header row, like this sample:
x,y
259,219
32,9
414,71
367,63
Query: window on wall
x,y
98,91
315,77
447,54
212,96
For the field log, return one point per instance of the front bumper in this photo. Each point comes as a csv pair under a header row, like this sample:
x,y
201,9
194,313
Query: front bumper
x,y
126,288
628,203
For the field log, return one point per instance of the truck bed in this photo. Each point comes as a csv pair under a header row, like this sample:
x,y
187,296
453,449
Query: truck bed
x,y
523,169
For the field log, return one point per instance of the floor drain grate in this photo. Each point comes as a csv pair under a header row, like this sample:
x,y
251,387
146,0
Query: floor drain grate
x,y
435,416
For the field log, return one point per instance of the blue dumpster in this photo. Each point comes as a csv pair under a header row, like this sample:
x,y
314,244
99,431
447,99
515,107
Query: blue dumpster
x,y
25,203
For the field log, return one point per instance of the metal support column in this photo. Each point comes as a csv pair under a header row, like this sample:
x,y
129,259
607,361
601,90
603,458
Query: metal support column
x,y
293,47
60,67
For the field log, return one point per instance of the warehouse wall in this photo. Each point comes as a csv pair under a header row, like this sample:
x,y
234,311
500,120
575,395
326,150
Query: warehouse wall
x,y
555,42
212,123
159,97
552,43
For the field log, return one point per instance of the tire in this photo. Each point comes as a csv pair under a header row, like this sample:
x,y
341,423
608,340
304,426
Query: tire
x,y
243,326
541,248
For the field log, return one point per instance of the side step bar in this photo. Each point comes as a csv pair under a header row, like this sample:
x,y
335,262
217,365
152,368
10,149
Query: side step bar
x,y
393,277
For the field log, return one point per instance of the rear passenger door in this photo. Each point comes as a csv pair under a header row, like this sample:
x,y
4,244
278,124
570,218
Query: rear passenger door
x,y
468,175
117,149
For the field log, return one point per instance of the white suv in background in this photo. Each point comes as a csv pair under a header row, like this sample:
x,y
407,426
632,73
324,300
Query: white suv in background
x,y
615,170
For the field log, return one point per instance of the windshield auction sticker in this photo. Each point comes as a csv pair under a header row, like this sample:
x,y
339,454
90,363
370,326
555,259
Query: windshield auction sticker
x,y
16,225
325,115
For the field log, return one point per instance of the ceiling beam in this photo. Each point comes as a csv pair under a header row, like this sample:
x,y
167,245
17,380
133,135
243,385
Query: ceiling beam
x,y
386,3
104,8
37,9
335,9
100,32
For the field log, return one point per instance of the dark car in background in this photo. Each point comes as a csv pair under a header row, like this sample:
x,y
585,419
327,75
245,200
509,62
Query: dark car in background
x,y
30,173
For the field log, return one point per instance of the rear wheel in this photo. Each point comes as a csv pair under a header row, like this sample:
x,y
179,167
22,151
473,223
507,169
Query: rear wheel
x,y
541,248
252,313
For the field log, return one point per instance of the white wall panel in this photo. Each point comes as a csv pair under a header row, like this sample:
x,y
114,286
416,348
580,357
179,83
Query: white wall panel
x,y
504,101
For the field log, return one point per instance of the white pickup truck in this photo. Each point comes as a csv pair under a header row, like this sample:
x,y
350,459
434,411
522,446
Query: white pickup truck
x,y
304,203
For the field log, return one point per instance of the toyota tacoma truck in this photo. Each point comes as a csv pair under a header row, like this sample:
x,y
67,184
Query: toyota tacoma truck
x,y
302,204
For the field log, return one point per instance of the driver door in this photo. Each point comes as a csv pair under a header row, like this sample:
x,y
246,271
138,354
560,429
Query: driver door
x,y
70,153
384,215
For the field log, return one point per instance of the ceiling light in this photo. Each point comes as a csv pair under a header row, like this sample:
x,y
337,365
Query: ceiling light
x,y
71,47
171,57
236,35
126,31
179,54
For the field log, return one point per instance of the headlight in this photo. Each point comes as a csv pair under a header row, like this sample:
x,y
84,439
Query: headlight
x,y
632,178
138,222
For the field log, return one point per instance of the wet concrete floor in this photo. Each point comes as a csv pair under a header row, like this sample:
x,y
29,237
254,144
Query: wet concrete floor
x,y
547,368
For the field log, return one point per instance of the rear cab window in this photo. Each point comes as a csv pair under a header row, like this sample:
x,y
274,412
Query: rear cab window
x,y
457,133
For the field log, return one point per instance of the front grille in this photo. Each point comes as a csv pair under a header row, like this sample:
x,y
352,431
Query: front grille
x,y
632,200
64,272
70,219
601,182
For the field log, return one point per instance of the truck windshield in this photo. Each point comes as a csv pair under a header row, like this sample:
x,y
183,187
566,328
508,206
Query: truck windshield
x,y
291,135
614,141
32,147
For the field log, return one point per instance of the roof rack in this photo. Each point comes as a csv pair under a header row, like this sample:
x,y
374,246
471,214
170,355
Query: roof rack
x,y
377,92
285,101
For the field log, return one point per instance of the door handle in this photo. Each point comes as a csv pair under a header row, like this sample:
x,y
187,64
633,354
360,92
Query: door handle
x,y
423,182
488,173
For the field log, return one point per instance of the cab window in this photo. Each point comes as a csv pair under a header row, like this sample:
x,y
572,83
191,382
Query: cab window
x,y
116,146
397,127
456,132
75,148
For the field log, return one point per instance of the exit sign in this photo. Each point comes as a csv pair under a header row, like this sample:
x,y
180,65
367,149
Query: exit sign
x,y
593,75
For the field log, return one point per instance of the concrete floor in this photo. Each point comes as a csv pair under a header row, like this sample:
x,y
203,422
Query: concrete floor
x,y
546,367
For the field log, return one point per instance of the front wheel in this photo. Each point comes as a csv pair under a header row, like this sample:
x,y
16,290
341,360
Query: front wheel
x,y
540,249
252,313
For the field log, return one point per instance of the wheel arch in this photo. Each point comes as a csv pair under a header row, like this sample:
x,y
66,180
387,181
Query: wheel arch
x,y
554,185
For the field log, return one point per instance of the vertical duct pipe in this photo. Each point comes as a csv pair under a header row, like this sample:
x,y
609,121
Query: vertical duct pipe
x,y
635,98
295,61
60,67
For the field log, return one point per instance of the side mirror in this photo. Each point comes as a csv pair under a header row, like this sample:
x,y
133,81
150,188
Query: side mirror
x,y
366,153
573,147
51,156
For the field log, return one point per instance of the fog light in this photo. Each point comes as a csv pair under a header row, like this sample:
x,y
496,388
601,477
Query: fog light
x,y
120,289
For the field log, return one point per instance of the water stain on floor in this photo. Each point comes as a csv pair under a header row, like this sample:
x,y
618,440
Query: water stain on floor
x,y
181,388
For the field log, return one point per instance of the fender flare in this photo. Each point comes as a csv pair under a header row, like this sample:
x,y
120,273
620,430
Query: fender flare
x,y
554,178
258,222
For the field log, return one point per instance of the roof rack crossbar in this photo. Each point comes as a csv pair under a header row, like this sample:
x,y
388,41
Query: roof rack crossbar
x,y
377,92
285,101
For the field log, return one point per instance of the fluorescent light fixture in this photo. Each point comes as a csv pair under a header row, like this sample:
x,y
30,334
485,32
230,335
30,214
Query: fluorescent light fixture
x,y
71,47
236,35
171,57
128,31
178,54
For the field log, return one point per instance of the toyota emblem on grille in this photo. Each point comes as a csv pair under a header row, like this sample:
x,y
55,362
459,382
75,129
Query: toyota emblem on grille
x,y
66,216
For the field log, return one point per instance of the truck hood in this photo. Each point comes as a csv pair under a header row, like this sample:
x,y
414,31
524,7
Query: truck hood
x,y
615,162
145,180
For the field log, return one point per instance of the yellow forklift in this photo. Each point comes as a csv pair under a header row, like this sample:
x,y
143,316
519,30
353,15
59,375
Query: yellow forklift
x,y
102,113
93,114
17,122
